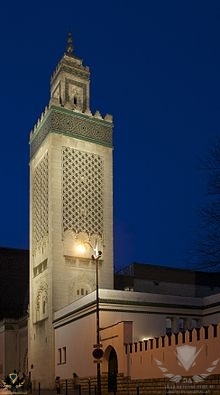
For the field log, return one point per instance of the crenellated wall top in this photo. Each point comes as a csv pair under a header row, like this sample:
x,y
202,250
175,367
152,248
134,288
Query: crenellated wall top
x,y
193,336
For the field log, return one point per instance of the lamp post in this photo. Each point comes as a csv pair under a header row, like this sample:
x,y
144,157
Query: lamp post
x,y
97,352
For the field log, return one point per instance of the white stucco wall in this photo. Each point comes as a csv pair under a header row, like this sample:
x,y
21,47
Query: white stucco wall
x,y
75,325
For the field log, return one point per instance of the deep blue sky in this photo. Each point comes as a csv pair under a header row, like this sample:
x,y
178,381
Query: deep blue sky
x,y
155,66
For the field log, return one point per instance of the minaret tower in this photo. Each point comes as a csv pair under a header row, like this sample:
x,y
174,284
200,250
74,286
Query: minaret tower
x,y
71,199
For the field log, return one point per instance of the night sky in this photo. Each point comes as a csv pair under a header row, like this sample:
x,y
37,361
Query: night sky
x,y
155,66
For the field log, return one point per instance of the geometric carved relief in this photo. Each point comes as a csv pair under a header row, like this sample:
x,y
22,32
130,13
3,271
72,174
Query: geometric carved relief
x,y
41,302
82,285
82,191
40,202
75,92
38,269
71,124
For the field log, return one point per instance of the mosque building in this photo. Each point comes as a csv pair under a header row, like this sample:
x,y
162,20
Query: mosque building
x,y
77,304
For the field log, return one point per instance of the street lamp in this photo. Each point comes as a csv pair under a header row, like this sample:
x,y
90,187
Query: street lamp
x,y
97,352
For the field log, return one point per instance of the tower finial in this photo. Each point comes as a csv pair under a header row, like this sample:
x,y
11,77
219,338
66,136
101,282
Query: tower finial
x,y
69,47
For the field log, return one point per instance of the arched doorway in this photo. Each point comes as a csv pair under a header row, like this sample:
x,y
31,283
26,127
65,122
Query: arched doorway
x,y
112,370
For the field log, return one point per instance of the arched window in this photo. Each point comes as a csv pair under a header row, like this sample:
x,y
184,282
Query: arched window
x,y
44,307
82,292
182,324
194,323
41,304
168,325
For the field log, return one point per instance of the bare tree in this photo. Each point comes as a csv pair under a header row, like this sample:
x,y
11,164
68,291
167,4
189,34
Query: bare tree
x,y
208,240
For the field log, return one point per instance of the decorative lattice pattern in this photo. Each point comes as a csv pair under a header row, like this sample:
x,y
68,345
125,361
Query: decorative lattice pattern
x,y
40,201
82,191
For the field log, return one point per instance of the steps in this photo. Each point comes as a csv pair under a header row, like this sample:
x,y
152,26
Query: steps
x,y
126,386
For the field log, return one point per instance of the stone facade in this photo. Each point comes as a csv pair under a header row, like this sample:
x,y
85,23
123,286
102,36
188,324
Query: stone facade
x,y
70,204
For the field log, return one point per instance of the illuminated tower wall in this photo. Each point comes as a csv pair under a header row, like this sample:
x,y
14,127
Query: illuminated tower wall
x,y
71,201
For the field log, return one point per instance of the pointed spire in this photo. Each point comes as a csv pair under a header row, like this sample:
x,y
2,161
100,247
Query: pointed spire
x,y
69,47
